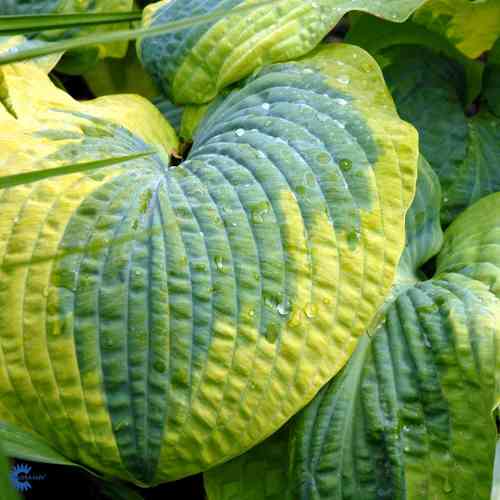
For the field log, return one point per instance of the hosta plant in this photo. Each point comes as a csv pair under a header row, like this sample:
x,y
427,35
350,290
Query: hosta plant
x,y
231,259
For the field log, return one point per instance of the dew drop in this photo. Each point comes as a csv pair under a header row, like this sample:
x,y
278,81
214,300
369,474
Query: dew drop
x,y
345,164
326,300
240,132
352,239
344,80
283,307
219,264
310,310
266,106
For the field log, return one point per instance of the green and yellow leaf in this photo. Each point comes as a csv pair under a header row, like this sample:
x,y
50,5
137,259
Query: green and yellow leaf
x,y
411,414
160,320
193,65
473,27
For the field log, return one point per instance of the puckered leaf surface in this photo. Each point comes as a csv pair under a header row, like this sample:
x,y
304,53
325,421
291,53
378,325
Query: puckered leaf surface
x,y
411,414
430,90
193,65
473,27
159,320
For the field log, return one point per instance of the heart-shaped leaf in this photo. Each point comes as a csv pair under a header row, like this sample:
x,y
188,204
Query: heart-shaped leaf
x,y
193,65
158,321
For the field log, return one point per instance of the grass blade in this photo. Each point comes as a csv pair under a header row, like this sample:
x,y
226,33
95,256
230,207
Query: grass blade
x,y
123,35
9,181
17,25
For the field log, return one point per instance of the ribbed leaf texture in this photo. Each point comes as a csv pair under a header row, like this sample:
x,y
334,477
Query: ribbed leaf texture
x,y
159,320
193,65
411,414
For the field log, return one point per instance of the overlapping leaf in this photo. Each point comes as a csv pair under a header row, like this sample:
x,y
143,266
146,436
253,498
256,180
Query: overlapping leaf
x,y
430,91
78,60
193,65
411,415
155,318
473,27
375,35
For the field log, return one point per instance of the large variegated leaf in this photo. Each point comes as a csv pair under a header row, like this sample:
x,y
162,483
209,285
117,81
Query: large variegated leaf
x,y
157,321
411,414
430,91
193,65
473,27
78,60
236,479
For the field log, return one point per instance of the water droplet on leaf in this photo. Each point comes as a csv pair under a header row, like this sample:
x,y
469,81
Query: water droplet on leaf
x,y
345,164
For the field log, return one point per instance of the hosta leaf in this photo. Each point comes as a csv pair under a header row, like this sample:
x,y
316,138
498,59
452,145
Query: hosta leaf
x,y
411,414
237,478
15,44
81,59
429,91
260,474
424,236
473,27
170,111
120,76
193,65
163,320
375,34
18,443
